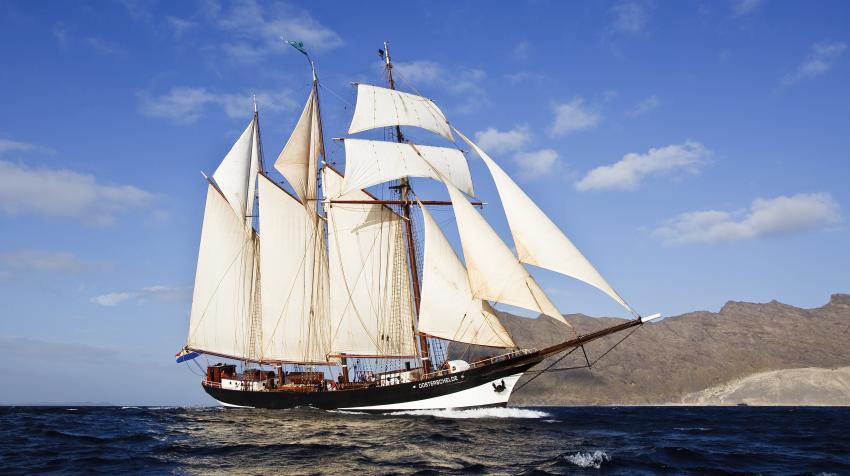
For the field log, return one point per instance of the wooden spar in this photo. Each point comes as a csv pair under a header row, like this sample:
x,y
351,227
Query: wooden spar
x,y
404,191
585,338
400,202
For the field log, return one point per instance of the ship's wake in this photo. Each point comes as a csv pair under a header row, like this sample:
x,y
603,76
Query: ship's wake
x,y
478,413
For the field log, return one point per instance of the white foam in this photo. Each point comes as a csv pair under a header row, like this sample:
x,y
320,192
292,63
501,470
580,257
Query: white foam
x,y
478,413
586,459
347,412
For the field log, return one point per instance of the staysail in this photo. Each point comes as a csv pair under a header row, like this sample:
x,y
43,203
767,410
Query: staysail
x,y
370,314
236,176
448,309
298,160
494,272
222,302
538,240
381,107
370,162
294,279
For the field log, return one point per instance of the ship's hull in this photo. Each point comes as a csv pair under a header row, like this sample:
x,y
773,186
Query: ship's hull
x,y
486,386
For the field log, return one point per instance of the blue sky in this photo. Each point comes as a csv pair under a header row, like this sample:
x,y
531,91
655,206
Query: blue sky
x,y
696,151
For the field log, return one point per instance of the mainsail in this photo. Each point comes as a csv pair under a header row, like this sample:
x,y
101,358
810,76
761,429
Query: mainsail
x,y
381,107
294,279
369,315
222,302
448,309
370,162
538,240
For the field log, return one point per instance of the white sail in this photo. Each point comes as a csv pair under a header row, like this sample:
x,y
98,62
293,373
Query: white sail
x,y
447,309
370,299
222,301
381,107
369,162
494,272
236,176
538,240
298,160
294,280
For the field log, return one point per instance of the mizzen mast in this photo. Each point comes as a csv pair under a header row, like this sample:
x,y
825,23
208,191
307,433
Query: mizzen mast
x,y
404,196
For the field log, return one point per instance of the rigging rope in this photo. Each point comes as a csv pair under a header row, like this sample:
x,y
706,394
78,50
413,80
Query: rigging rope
x,y
586,366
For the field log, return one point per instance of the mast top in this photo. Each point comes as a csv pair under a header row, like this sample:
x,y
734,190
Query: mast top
x,y
254,99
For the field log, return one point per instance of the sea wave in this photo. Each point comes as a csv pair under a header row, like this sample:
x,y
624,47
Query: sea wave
x,y
478,413
586,459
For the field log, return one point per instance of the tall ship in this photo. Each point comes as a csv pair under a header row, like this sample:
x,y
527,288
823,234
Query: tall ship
x,y
318,293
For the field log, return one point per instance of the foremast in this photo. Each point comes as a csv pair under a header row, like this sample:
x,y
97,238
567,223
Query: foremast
x,y
404,196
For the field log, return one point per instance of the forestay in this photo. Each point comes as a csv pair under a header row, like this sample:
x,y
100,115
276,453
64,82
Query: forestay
x,y
370,299
298,160
494,272
381,107
221,316
236,176
448,310
294,283
538,240
369,162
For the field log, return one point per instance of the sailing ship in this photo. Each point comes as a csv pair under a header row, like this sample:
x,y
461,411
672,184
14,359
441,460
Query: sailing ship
x,y
321,292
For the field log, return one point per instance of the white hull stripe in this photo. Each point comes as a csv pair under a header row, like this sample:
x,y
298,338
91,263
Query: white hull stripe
x,y
480,396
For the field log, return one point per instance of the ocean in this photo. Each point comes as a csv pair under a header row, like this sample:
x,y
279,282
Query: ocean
x,y
566,440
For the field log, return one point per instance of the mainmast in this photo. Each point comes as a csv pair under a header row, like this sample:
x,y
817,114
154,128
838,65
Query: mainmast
x,y
404,196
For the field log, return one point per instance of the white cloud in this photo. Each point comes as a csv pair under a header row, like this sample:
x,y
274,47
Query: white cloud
x,y
496,141
60,32
257,28
524,77
39,260
65,193
628,173
179,26
521,50
102,46
536,164
185,105
8,145
644,106
744,7
782,215
630,16
573,116
462,82
153,293
821,58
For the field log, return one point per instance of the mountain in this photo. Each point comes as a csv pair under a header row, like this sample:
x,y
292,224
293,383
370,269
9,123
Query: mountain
x,y
673,360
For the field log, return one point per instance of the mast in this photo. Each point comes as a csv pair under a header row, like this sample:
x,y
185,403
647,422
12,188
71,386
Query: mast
x,y
404,195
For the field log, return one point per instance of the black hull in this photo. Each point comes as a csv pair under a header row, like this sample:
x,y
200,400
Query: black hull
x,y
438,386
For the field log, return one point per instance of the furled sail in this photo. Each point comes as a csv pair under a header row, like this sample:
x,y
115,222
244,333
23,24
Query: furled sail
x,y
294,283
369,162
222,301
371,310
298,160
538,240
447,309
236,176
494,272
381,107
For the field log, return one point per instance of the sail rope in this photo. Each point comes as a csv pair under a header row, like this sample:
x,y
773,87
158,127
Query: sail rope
x,y
587,365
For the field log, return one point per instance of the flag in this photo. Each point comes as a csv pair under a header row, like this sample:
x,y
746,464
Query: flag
x,y
298,45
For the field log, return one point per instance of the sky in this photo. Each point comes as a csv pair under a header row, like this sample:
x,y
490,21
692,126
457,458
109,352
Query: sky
x,y
696,151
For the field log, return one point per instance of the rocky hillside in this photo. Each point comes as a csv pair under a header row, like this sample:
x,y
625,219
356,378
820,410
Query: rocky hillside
x,y
673,360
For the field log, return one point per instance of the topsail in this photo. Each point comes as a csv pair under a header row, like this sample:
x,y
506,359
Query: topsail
x,y
381,107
